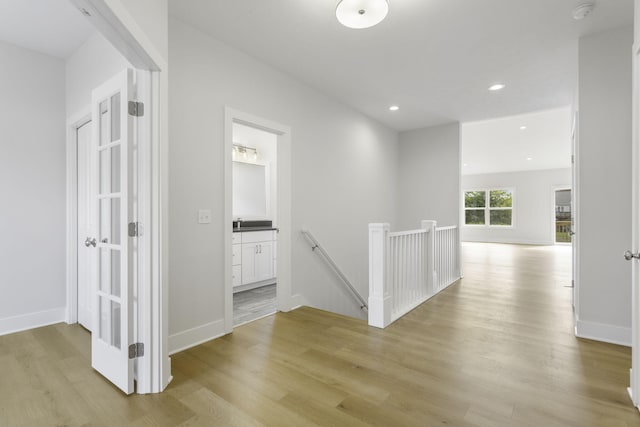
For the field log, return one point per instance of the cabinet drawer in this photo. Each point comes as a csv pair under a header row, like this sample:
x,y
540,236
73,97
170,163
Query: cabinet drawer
x,y
236,238
257,236
236,275
236,255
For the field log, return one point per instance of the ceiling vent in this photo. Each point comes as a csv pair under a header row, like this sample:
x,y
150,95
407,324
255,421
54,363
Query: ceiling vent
x,y
582,11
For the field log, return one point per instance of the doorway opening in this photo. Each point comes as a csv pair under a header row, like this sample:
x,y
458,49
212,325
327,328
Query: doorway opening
x,y
563,215
267,249
255,223
84,227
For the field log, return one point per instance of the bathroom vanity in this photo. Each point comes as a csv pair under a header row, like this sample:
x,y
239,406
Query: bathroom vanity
x,y
254,254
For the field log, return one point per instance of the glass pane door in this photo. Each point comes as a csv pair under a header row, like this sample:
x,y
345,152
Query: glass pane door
x,y
112,331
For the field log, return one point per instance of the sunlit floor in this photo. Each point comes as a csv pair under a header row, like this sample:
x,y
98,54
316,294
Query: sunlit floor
x,y
495,349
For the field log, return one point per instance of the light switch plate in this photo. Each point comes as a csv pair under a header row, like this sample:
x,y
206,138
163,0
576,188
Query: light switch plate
x,y
204,216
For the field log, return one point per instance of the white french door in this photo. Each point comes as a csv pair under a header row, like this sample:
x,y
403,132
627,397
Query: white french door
x,y
112,180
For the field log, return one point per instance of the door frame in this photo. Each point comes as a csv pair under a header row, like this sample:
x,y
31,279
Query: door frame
x,y
115,23
74,122
283,133
575,225
634,372
553,199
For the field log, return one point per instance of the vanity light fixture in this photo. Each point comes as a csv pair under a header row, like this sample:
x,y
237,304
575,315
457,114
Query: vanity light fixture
x,y
360,14
243,153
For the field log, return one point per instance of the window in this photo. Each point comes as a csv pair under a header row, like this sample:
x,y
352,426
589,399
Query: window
x,y
488,207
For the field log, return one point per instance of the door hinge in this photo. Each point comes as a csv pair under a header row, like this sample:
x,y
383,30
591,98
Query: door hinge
x,y
573,159
136,350
135,229
136,109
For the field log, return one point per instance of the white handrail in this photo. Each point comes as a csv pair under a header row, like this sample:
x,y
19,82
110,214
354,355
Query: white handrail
x,y
315,245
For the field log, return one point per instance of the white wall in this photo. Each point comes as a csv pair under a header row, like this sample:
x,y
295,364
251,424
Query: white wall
x,y
95,62
344,176
32,184
604,209
534,206
429,176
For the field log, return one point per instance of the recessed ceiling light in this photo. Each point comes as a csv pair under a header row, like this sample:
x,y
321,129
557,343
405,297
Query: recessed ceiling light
x,y
394,108
465,164
497,86
523,127
529,158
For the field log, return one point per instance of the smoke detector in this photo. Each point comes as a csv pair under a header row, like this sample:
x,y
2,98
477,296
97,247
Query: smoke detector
x,y
582,11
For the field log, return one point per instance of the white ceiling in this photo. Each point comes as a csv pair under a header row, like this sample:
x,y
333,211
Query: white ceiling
x,y
434,58
52,27
500,145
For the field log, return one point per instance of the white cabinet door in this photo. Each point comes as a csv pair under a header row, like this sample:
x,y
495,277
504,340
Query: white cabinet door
x,y
264,261
236,275
249,252
112,192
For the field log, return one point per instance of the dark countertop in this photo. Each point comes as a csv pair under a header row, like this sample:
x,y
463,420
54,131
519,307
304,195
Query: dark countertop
x,y
245,229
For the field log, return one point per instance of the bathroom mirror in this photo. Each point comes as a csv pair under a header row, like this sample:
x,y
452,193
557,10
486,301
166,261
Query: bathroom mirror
x,y
249,190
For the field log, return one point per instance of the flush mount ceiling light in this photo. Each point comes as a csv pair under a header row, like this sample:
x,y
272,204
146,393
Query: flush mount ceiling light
x,y
497,86
523,128
394,108
361,13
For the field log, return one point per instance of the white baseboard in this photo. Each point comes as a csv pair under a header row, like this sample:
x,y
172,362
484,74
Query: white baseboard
x,y
601,332
195,336
512,241
298,301
9,325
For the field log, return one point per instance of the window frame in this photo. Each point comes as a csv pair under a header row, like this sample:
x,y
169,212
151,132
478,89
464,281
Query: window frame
x,y
487,207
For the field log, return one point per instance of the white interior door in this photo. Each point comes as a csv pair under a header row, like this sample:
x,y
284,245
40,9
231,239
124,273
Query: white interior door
x,y
112,192
85,300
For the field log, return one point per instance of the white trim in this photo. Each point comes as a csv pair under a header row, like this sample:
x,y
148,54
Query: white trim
x,y
120,28
23,322
196,336
508,241
602,332
634,374
283,133
115,22
298,301
73,123
575,205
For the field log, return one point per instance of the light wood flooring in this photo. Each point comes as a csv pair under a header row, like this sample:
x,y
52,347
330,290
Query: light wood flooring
x,y
496,349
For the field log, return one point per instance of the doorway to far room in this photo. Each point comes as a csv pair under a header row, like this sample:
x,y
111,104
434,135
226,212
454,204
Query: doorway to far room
x,y
255,229
563,215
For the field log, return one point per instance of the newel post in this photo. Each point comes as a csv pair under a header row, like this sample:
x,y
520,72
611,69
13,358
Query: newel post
x,y
431,273
379,297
